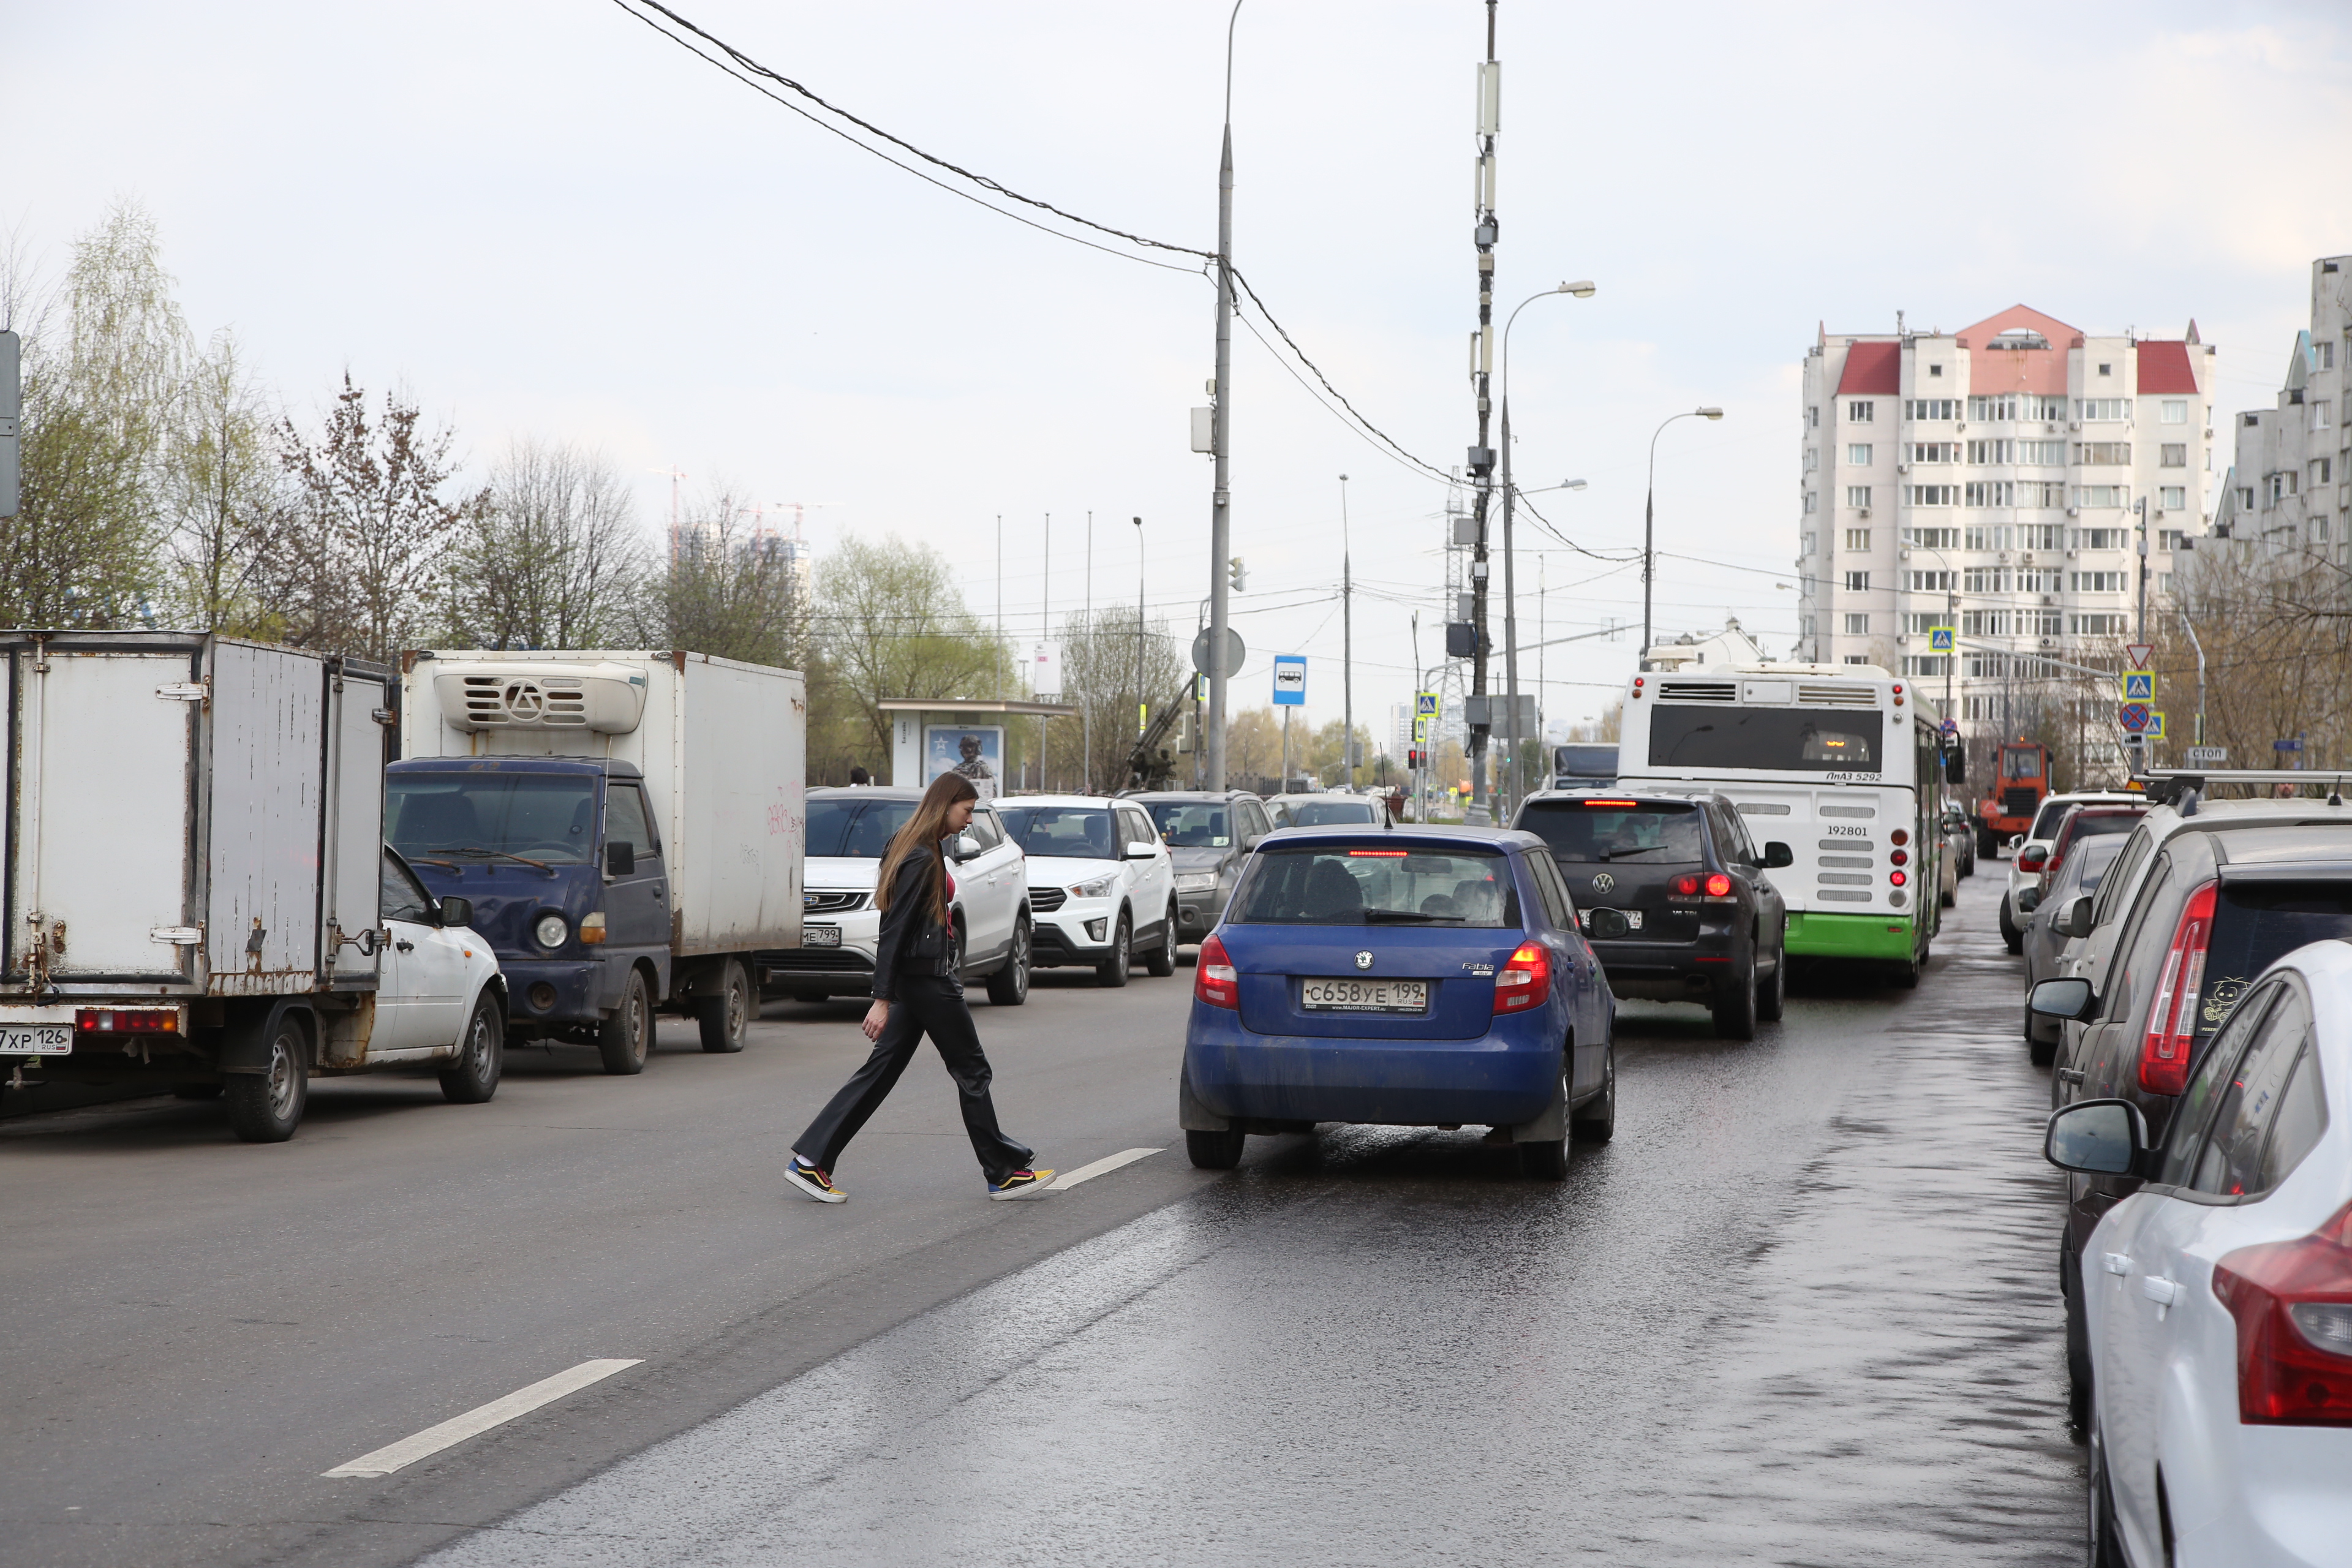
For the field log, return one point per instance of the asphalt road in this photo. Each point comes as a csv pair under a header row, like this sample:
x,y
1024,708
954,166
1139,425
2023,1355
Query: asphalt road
x,y
1802,1309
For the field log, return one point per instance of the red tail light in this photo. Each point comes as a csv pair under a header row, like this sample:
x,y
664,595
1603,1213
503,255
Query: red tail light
x,y
1525,981
1897,877
1718,886
127,1021
2173,1016
1685,887
2292,1303
1213,980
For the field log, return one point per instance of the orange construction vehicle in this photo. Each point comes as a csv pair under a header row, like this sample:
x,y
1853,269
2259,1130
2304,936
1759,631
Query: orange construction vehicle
x,y
2020,778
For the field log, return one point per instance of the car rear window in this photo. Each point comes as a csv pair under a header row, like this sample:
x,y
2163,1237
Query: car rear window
x,y
1596,831
1353,886
2257,924
1330,814
2093,826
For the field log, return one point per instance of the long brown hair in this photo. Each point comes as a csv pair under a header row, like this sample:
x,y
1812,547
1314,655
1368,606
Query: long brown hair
x,y
923,833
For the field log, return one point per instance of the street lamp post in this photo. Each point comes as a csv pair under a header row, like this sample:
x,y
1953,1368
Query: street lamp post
x,y
1583,288
1649,512
1220,424
1138,628
1346,644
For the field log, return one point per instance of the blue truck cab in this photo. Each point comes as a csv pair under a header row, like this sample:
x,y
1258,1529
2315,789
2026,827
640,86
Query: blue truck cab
x,y
564,866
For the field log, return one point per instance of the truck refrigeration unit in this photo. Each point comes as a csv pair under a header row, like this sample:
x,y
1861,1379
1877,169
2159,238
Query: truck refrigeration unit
x,y
628,827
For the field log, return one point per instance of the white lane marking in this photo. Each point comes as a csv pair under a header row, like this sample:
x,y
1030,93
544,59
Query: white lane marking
x,y
480,1419
1107,1164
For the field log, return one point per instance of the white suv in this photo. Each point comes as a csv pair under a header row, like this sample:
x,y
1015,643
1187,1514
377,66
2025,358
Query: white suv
x,y
1101,884
848,828
2047,821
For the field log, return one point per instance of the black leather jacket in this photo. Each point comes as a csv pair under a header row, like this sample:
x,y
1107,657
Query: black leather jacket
x,y
912,942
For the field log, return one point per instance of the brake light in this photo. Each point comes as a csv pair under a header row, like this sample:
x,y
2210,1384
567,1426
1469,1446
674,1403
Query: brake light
x,y
1900,835
1684,887
123,1021
1525,981
1901,857
2173,1016
1377,854
1616,804
1213,980
1897,877
2292,1303
1637,686
1718,885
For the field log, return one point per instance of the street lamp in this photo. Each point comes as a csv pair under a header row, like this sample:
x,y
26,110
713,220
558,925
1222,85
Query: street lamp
x,y
1649,510
1221,421
1582,289
1346,644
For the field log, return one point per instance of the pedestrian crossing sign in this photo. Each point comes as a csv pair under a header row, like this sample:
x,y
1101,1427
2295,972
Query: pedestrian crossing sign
x,y
2155,730
2139,685
1939,639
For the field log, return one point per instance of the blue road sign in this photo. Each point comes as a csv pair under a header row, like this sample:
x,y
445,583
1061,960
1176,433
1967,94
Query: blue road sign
x,y
1939,639
1951,726
2139,685
2294,745
1290,680
2134,718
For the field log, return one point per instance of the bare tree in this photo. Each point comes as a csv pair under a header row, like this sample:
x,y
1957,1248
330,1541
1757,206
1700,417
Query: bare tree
x,y
558,558
223,491
730,588
1099,673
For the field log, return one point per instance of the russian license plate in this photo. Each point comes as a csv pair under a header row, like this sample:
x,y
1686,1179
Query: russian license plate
x,y
1633,918
1344,995
820,936
36,1040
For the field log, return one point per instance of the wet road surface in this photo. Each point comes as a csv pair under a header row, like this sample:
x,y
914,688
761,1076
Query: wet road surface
x,y
1802,1309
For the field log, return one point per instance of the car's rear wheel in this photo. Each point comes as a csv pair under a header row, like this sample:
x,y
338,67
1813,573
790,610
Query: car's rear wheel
x,y
1734,1010
1112,971
1214,1151
1009,986
2010,937
1595,1121
1162,963
473,1077
1772,995
2104,1540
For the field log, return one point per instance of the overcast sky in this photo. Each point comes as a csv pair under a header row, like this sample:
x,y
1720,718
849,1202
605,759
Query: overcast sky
x,y
542,218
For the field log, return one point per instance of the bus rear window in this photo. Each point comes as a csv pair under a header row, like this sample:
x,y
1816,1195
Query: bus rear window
x,y
1782,739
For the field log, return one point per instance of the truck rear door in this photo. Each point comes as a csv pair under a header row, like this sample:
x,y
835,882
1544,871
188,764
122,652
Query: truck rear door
x,y
102,835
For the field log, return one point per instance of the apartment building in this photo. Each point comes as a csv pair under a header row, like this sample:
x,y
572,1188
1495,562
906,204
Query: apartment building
x,y
1994,478
2289,488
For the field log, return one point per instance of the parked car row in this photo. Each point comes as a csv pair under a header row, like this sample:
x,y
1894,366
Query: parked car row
x,y
2189,967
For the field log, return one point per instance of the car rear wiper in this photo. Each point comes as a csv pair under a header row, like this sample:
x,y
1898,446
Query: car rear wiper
x,y
1400,916
1637,849
501,854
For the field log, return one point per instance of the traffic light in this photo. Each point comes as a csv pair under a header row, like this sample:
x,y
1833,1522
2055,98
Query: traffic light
x,y
1235,571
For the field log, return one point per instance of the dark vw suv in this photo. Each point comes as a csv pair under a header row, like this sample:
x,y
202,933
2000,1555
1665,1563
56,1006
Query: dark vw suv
x,y
1706,924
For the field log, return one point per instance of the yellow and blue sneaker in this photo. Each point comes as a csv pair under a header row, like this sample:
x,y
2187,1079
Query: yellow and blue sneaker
x,y
1021,1184
816,1182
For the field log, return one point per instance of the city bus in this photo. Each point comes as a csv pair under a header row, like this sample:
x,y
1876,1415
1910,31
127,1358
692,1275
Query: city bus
x,y
1840,762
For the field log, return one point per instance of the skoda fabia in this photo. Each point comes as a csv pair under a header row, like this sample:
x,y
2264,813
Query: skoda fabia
x,y
1410,976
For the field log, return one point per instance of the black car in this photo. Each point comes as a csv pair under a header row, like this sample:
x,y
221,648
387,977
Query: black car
x,y
1705,924
2193,909
1209,834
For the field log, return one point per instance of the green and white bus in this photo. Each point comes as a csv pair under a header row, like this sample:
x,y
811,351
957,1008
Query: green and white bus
x,y
1840,762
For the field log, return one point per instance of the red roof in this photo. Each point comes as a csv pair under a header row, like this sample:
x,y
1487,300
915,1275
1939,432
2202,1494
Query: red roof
x,y
2165,367
1873,369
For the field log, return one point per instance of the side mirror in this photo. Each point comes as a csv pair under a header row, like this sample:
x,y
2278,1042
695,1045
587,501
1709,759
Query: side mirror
x,y
2029,900
2015,840
1608,925
2033,859
2074,920
2070,1000
1777,854
1956,767
966,846
457,912
2097,1137
1141,851
620,858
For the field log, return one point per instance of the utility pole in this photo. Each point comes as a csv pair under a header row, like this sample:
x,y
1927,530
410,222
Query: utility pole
x,y
1482,363
1086,707
1346,644
1139,629
1045,634
1221,428
2139,621
2200,670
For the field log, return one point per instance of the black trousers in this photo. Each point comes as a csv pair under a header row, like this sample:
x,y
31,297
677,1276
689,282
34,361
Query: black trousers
x,y
926,1004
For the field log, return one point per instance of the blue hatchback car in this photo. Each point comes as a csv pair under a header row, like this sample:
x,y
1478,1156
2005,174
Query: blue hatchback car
x,y
1408,976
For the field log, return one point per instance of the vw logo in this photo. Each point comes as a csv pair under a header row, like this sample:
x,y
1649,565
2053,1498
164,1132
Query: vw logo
x,y
1603,882
1363,960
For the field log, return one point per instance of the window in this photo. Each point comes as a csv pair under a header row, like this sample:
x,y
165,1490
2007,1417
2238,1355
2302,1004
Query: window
x,y
2045,454
2229,1164
2106,369
1930,582
1931,408
1857,658
2322,355
2176,410
2041,408
2039,580
478,817
2172,454
1860,413
399,897
1857,625
1933,538
2319,416
2100,538
1857,455
2000,451
2102,407
2039,535
1990,493
2319,530
1193,823
1857,539
2321,468
2172,539
2094,583
1932,495
1812,458
1984,624
1812,416
1805,543
1985,580
2040,623
1924,663
1810,499
1857,496
2001,406
1935,370
1935,451
2246,496
628,822
1919,626
2041,492
1857,582
2103,453
2172,497
1332,887
1060,832
2099,626
2103,495
1797,739
1988,535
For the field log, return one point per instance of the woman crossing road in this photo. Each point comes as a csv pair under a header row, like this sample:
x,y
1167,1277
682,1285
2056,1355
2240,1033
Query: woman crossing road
x,y
917,992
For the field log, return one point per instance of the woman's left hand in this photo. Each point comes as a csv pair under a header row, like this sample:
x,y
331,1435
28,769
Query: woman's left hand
x,y
876,1017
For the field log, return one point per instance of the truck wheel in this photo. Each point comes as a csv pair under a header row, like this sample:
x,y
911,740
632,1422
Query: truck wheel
x,y
473,1077
1009,986
265,1107
1112,971
725,1017
1214,1151
626,1039
1162,963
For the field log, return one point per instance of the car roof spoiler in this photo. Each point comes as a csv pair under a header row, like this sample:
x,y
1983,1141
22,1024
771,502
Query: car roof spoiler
x,y
2184,789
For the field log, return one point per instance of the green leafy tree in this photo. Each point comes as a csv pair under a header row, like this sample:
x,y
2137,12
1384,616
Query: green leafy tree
x,y
892,623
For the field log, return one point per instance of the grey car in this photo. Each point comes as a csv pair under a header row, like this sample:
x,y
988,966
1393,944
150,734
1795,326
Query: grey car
x,y
1208,835
2043,945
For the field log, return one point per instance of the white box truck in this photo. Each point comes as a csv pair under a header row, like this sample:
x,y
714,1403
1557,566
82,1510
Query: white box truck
x,y
627,825
198,896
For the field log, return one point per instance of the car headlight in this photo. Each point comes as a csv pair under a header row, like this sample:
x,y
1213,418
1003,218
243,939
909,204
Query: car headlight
x,y
1098,887
550,931
1196,881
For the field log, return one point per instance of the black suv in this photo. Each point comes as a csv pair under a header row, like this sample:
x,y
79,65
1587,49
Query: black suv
x,y
1705,924
2198,903
1209,834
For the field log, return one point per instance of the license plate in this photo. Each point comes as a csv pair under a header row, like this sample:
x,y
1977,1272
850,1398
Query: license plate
x,y
820,936
1344,995
1633,918
36,1040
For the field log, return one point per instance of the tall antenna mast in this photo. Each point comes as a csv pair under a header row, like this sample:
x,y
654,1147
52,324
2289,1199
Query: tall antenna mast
x,y
1482,363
